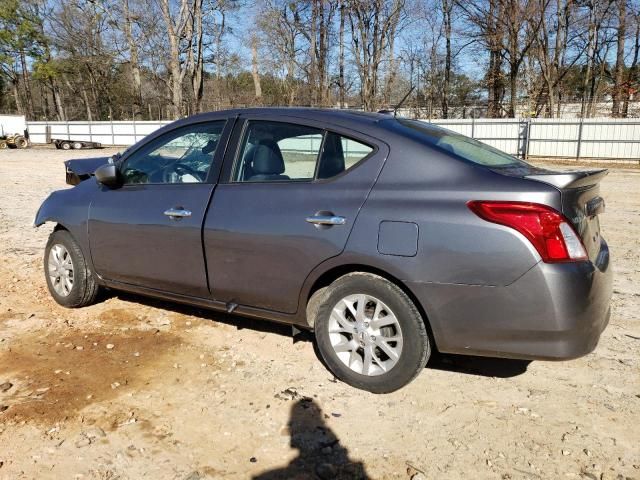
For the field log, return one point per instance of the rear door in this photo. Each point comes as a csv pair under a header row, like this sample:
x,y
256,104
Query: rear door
x,y
149,231
289,200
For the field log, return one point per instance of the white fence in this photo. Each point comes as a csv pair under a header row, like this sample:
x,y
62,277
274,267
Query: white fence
x,y
601,138
604,138
106,133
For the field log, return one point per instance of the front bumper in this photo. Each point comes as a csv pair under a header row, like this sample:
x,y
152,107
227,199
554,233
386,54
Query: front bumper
x,y
553,311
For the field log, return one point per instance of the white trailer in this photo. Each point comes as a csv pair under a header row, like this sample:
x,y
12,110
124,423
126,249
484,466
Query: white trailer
x,y
13,131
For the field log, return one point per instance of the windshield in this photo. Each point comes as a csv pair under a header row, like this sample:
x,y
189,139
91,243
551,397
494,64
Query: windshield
x,y
465,147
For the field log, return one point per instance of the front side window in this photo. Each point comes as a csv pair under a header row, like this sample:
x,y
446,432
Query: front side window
x,y
184,155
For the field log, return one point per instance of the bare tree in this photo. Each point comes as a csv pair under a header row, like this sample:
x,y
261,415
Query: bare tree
x,y
618,77
373,24
254,68
133,52
341,80
177,26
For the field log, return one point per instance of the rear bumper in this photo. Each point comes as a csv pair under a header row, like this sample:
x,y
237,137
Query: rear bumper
x,y
554,311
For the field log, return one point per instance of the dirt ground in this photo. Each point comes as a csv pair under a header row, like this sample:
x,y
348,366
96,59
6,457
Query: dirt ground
x,y
134,388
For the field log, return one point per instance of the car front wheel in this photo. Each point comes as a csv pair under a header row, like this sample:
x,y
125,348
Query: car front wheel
x,y
69,280
370,334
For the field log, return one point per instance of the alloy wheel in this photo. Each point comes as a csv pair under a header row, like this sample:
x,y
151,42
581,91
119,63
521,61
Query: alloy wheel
x,y
365,334
60,269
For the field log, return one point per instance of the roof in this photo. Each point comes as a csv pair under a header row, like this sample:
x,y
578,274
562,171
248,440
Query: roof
x,y
338,116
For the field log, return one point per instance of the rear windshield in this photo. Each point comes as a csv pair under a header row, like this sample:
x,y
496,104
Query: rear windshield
x,y
465,147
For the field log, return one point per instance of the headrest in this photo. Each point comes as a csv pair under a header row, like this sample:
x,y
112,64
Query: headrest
x,y
210,146
267,159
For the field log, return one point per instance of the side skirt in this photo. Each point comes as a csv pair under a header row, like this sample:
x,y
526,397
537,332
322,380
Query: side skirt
x,y
240,310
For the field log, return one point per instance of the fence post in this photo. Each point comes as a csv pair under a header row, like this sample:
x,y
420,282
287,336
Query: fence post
x,y
579,139
113,138
135,135
527,138
68,134
473,125
90,133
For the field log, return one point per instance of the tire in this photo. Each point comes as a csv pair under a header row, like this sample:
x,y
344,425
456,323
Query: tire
x,y
3,145
343,349
65,146
83,288
21,142
77,145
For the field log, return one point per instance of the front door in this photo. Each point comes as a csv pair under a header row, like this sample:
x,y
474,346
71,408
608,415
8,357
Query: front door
x,y
148,232
288,204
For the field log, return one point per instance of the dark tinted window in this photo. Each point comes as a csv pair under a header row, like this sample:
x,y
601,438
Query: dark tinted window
x,y
339,154
465,147
183,155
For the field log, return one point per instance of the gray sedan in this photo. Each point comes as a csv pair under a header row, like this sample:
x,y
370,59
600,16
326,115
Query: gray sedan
x,y
387,237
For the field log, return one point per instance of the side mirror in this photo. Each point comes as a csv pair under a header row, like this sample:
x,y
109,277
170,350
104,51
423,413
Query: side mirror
x,y
107,175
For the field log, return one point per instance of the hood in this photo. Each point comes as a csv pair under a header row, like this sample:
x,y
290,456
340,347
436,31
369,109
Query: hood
x,y
81,169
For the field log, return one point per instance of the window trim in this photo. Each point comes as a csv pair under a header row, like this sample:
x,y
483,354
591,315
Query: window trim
x,y
212,173
230,173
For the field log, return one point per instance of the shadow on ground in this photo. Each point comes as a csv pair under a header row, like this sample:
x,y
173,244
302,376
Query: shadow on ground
x,y
480,366
319,449
466,364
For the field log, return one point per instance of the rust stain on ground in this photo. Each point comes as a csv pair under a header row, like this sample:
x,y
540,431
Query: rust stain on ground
x,y
55,376
119,316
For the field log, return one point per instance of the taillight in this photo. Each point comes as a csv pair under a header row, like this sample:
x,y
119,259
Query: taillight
x,y
547,229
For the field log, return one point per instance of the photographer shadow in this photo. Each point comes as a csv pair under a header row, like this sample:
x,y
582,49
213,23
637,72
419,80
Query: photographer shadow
x,y
320,454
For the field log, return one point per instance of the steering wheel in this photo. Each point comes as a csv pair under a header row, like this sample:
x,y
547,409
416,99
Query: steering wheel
x,y
179,169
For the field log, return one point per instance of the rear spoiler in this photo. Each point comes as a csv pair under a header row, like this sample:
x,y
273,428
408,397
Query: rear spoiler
x,y
577,179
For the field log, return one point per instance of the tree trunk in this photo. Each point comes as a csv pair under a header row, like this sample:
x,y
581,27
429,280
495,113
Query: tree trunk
x,y
633,72
197,80
27,87
175,68
16,95
85,100
341,85
133,55
494,74
57,101
618,77
590,54
447,6
254,69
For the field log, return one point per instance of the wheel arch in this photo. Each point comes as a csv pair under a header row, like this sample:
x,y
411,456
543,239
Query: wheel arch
x,y
334,272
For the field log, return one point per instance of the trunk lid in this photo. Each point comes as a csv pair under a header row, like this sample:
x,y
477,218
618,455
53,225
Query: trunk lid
x,y
579,195
581,202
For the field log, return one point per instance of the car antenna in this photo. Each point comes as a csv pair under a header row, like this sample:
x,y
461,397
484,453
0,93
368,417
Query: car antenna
x,y
395,109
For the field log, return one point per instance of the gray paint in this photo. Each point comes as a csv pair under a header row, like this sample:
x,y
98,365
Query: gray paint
x,y
398,238
482,286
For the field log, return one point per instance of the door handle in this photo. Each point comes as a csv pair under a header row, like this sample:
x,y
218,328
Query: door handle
x,y
327,220
177,213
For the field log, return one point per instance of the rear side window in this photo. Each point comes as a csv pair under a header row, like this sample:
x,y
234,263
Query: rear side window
x,y
279,151
339,154
465,147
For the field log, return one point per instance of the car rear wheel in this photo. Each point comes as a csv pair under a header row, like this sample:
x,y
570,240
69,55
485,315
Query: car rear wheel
x,y
69,280
370,334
